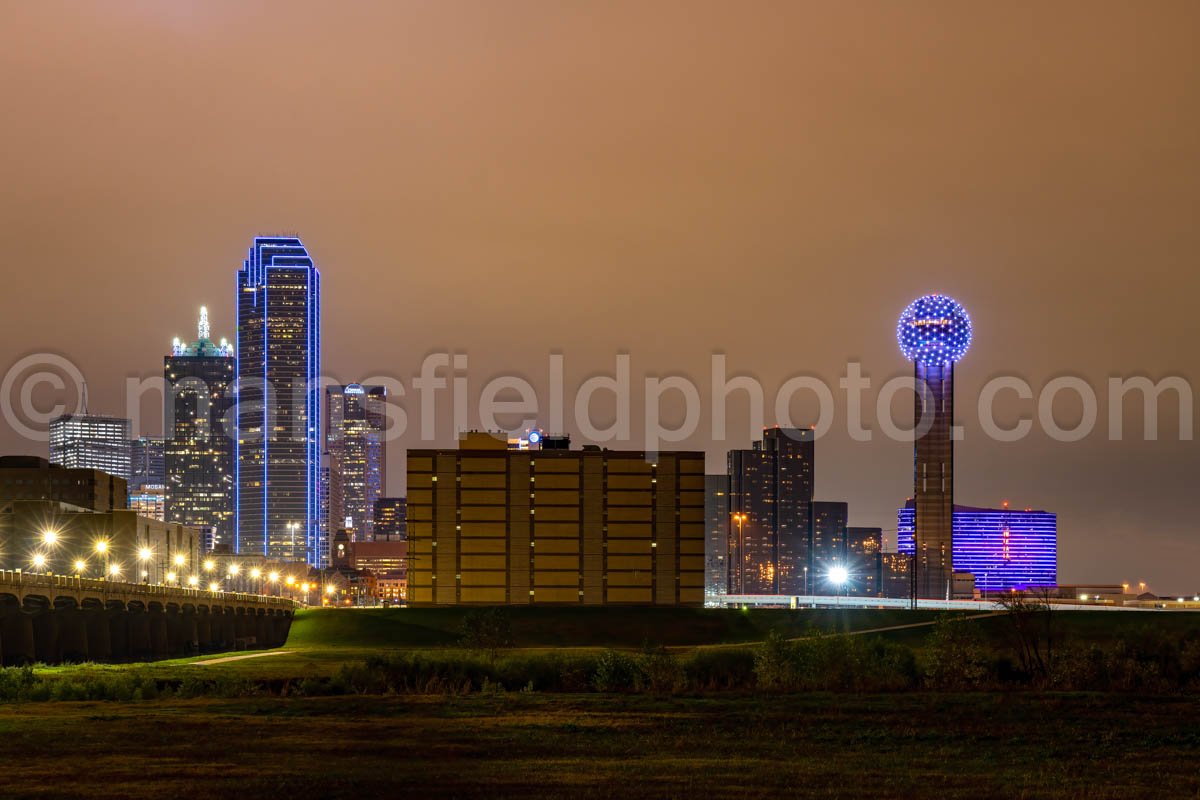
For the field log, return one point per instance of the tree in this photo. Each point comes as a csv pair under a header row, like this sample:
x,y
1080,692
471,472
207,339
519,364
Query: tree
x,y
486,630
1032,629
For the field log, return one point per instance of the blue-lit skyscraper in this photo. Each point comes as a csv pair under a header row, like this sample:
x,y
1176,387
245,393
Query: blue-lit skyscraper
x,y
279,401
1004,549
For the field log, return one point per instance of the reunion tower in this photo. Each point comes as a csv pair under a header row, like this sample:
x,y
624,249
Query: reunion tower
x,y
934,332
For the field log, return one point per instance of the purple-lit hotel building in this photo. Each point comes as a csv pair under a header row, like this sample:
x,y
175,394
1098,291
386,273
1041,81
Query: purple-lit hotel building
x,y
1003,548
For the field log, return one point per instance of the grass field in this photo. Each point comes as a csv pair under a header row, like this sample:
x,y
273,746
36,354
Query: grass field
x,y
957,746
1009,744
322,640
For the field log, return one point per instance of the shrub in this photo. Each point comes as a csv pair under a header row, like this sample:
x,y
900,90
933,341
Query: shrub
x,y
660,672
833,663
616,672
955,658
15,682
720,669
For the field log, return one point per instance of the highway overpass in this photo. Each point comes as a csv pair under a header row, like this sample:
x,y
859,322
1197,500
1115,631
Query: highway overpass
x,y
56,618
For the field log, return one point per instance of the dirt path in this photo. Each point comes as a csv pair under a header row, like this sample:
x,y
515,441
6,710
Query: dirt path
x,y
865,631
925,624
227,659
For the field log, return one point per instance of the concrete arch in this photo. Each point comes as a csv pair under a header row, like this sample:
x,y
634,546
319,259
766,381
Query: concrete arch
x,y
16,632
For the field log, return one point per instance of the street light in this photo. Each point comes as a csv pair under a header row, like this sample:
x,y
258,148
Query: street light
x,y
193,581
39,561
214,586
180,560
171,577
838,575
144,555
80,566
114,569
101,546
50,538
209,565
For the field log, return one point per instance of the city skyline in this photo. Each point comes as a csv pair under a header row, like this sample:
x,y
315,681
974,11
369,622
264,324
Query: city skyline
x,y
1050,209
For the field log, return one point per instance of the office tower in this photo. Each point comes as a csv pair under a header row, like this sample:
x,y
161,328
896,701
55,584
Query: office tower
x,y
934,333
828,547
354,435
490,525
863,548
770,505
279,402
391,514
716,543
91,441
147,462
1005,549
198,426
33,478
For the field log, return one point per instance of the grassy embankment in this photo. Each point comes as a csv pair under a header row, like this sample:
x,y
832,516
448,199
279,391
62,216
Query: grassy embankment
x,y
496,743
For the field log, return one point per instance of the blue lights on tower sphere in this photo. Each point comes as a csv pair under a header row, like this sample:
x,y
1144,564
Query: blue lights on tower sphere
x,y
934,329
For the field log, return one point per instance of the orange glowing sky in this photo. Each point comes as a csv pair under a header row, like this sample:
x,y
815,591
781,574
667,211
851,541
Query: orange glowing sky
x,y
774,181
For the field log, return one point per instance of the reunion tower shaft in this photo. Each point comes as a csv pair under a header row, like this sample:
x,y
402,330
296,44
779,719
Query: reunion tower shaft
x,y
933,481
934,333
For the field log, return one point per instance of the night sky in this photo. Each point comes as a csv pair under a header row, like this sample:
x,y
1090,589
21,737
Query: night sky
x,y
775,181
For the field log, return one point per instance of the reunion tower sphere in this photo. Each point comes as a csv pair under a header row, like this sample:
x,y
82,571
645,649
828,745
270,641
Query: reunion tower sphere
x,y
934,330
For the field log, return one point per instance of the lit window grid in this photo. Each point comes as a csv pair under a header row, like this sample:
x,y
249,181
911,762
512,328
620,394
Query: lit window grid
x,y
979,546
279,346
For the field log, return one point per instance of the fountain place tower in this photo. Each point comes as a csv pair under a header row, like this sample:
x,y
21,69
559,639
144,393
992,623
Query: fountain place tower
x,y
934,333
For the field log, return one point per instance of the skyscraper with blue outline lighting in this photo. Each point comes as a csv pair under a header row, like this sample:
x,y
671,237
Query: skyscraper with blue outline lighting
x,y
279,402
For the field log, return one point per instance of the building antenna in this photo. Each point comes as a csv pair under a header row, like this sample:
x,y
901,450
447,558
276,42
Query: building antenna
x,y
203,326
85,398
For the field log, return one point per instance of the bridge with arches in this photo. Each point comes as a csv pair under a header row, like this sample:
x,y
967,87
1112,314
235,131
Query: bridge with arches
x,y
56,618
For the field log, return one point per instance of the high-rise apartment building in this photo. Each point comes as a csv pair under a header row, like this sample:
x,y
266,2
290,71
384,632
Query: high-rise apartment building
x,y
770,506
391,515
199,431
149,500
490,525
355,416
91,441
716,542
828,547
279,402
863,548
324,531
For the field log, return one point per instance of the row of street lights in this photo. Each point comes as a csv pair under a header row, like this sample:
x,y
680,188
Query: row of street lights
x,y
255,577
